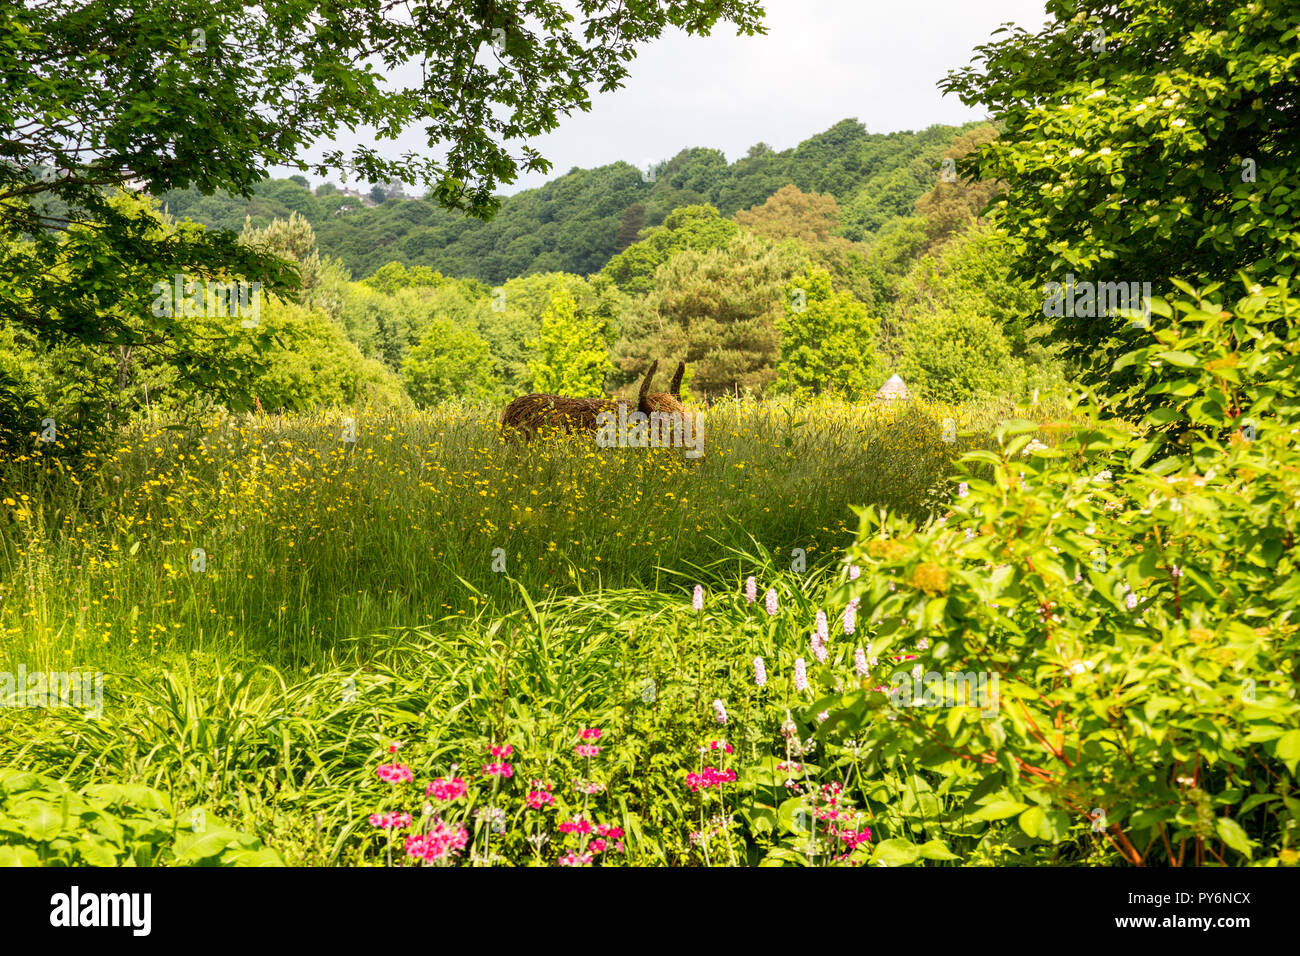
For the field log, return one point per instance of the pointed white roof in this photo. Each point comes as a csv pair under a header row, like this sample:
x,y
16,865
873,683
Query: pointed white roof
x,y
894,388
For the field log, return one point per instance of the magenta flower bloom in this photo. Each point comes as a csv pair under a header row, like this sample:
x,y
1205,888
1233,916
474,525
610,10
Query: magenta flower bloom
x,y
697,599
751,590
394,773
800,675
709,777
441,841
540,798
498,770
390,821
586,750
575,859
502,751
720,745
443,789
576,825
591,733
760,673
769,601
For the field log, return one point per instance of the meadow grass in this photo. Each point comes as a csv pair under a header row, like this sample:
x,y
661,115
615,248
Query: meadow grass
x,y
349,601
306,542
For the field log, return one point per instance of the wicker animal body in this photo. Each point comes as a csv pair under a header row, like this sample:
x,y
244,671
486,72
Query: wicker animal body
x,y
529,415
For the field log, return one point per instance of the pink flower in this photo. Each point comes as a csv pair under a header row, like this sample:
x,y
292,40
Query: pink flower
x,y
574,859
769,601
697,599
854,571
605,830
851,617
852,838
442,789
540,798
586,750
819,648
760,673
394,747
576,825
390,821
591,733
709,777
751,590
720,745
498,770
800,675
503,751
394,773
720,711
823,634
597,845
860,662
441,841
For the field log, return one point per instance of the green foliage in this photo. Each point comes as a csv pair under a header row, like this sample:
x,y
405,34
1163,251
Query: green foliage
x,y
395,275
449,362
580,221
1141,141
572,353
973,274
291,239
954,357
46,823
698,228
1132,587
827,341
306,361
717,310
510,319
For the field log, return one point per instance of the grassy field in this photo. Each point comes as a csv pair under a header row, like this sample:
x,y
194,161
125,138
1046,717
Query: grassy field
x,y
345,601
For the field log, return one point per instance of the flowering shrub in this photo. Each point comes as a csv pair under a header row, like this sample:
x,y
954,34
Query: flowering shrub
x,y
1134,588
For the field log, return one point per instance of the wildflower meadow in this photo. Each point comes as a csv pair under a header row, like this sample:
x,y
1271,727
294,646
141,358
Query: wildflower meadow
x,y
894,470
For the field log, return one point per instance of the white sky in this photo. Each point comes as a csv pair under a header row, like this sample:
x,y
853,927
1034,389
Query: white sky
x,y
821,61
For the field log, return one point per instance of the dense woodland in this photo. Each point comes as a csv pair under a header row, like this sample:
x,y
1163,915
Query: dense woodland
x,y
819,270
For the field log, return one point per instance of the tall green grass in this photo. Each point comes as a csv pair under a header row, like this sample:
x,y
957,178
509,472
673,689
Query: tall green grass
x,y
310,542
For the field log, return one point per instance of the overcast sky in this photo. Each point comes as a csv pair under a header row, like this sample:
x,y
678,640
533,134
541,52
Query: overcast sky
x,y
821,61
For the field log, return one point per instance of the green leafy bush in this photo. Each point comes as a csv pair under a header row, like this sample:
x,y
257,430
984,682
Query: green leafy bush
x,y
46,823
1134,590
